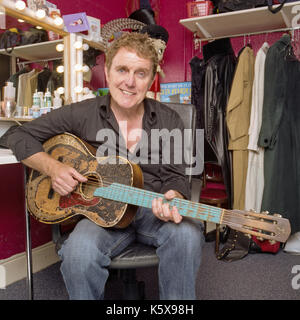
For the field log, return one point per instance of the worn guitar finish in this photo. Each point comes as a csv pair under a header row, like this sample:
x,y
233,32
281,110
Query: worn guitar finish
x,y
113,192
49,207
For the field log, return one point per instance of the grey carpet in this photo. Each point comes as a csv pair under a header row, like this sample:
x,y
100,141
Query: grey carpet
x,y
256,277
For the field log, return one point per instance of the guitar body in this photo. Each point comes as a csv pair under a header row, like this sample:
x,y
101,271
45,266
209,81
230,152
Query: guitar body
x,y
49,207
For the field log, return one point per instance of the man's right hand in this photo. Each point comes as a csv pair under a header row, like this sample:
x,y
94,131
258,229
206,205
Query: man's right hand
x,y
64,178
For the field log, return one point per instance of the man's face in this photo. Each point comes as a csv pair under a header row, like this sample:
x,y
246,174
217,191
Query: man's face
x,y
129,79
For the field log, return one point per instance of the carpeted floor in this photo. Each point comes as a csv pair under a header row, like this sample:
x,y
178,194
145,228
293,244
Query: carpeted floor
x,y
256,277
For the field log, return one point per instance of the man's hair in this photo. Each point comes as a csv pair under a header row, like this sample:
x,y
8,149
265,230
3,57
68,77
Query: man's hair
x,y
141,44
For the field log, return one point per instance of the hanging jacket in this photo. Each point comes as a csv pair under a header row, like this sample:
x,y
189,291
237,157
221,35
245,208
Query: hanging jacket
x,y
221,63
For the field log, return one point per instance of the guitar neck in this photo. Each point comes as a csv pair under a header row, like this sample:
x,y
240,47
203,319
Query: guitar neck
x,y
144,198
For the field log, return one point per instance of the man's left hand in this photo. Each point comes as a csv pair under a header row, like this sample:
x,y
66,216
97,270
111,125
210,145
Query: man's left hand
x,y
163,211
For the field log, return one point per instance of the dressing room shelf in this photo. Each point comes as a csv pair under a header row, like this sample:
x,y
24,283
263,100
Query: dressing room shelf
x,y
244,22
36,51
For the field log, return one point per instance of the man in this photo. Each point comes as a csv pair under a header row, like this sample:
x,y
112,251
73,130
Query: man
x,y
131,64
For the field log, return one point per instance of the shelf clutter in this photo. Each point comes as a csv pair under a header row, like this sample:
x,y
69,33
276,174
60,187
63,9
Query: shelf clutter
x,y
238,23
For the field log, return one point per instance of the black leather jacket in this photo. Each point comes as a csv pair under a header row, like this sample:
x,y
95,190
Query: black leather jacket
x,y
217,71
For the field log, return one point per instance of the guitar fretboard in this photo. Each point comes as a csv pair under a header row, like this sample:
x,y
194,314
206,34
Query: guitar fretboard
x,y
144,198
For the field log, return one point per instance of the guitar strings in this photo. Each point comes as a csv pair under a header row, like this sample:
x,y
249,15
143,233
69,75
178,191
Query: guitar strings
x,y
181,204
118,187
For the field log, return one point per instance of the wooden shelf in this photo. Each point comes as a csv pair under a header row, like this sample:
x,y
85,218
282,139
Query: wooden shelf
x,y
16,119
36,51
238,23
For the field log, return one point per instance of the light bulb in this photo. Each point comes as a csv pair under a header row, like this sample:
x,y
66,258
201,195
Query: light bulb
x,y
60,90
85,47
40,13
20,5
59,47
85,68
78,89
20,20
78,44
58,20
60,69
39,27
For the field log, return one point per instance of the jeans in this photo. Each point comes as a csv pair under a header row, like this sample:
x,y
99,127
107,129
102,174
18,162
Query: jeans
x,y
87,253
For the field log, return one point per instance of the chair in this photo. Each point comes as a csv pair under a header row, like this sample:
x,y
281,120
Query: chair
x,y
138,255
213,192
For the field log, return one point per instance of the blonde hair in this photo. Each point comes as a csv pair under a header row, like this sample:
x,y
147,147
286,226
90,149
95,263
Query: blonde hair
x,y
141,44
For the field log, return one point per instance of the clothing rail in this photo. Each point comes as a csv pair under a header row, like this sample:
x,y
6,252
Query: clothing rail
x,y
23,63
210,38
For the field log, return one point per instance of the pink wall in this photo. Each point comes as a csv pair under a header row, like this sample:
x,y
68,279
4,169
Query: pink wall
x,y
176,67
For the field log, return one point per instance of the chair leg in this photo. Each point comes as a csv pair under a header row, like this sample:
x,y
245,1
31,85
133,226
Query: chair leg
x,y
217,238
133,289
204,228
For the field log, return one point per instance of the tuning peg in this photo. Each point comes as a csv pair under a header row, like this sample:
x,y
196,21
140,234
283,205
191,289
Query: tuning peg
x,y
277,215
265,212
260,238
252,210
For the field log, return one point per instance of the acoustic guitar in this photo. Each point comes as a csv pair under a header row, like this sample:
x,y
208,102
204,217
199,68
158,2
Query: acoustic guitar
x,y
114,191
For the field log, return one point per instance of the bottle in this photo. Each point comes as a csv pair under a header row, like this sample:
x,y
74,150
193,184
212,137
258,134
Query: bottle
x,y
48,100
36,100
57,101
41,95
9,104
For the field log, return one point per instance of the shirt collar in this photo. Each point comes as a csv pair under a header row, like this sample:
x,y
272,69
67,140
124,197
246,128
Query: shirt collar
x,y
149,104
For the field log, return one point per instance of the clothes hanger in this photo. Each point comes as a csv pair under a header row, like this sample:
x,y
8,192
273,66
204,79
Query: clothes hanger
x,y
289,53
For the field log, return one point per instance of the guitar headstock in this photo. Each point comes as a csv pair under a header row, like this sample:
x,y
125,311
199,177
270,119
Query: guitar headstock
x,y
271,227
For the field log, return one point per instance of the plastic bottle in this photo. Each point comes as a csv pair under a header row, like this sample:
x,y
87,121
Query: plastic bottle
x,y
36,100
47,99
9,104
9,91
57,101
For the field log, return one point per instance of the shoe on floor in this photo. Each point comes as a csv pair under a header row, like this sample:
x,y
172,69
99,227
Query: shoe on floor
x,y
292,245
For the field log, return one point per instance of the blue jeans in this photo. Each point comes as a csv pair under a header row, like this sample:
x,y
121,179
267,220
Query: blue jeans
x,y
87,253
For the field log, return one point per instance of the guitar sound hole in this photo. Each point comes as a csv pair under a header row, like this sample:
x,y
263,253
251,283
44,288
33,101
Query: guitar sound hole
x,y
88,188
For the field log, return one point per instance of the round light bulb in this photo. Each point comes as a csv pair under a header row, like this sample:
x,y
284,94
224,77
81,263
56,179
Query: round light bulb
x,y
78,89
40,13
85,68
39,27
20,5
61,90
59,47
58,20
60,69
78,44
85,47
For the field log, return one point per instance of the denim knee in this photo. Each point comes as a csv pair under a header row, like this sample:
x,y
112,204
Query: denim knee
x,y
80,255
186,232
